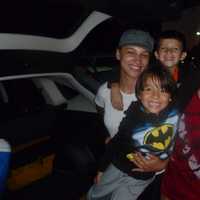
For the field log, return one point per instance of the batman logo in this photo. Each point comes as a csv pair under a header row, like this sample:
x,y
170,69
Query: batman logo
x,y
160,137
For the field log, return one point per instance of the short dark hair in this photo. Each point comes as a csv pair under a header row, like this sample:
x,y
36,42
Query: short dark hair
x,y
160,73
171,34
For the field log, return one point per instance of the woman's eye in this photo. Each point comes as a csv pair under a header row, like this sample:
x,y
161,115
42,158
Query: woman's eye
x,y
130,52
145,55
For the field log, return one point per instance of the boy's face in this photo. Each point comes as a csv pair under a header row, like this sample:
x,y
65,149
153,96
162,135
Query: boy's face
x,y
153,97
133,60
170,53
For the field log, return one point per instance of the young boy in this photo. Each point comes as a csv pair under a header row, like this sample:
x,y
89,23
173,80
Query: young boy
x,y
149,127
170,51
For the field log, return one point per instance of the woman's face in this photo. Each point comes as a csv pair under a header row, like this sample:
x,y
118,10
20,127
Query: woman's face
x,y
133,60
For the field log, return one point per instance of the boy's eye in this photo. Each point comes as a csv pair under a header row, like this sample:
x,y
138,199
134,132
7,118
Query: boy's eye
x,y
163,90
173,50
146,89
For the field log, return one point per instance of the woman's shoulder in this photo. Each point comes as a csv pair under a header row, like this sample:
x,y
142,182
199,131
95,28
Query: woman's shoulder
x,y
104,85
102,95
104,88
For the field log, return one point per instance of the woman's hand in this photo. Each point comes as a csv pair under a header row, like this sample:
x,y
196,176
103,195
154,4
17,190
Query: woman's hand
x,y
150,164
98,177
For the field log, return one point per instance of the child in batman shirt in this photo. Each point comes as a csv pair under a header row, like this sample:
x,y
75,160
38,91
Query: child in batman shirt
x,y
149,127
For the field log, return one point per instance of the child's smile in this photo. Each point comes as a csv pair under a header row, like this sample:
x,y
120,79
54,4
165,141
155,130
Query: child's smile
x,y
153,97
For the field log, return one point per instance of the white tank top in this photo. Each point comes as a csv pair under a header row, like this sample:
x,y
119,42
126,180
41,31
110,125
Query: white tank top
x,y
112,116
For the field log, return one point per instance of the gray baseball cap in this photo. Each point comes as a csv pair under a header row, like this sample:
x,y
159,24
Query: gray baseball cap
x,y
138,38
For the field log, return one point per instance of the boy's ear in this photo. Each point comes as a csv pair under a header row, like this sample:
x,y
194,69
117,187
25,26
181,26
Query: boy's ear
x,y
156,55
117,54
183,55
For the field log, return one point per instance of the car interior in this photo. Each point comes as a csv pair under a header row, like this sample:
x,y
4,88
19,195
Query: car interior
x,y
39,119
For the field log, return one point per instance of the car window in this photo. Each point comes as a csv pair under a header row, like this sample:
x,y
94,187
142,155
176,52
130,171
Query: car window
x,y
75,100
19,97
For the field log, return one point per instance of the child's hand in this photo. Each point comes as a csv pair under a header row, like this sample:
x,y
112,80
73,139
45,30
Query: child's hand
x,y
150,164
116,97
98,177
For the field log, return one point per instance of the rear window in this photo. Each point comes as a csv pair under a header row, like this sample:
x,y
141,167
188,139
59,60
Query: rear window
x,y
19,97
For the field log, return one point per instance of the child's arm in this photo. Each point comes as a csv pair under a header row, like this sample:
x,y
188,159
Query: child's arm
x,y
116,96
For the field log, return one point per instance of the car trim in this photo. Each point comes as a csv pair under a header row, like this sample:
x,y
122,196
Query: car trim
x,y
70,79
30,42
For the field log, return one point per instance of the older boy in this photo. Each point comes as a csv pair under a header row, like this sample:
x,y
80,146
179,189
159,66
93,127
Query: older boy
x,y
170,51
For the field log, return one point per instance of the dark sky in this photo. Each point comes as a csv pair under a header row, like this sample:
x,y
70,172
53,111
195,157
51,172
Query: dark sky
x,y
58,18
